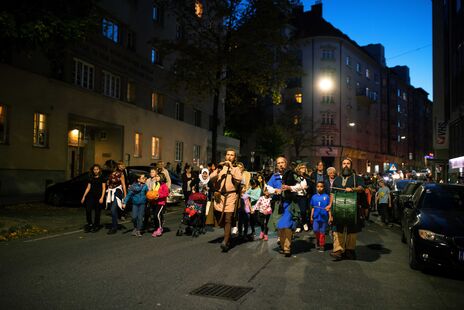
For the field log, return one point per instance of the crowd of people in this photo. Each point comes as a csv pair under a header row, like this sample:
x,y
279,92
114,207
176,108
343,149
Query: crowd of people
x,y
291,200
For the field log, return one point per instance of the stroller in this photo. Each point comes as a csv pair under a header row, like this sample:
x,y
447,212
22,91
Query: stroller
x,y
193,217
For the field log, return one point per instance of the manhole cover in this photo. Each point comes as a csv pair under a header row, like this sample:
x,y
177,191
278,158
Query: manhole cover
x,y
221,291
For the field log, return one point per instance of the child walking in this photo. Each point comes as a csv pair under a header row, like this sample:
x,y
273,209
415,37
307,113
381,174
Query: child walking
x,y
159,204
93,198
264,210
254,192
320,215
137,194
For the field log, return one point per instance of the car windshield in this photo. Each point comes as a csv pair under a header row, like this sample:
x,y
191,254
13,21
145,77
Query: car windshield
x,y
409,190
449,198
400,185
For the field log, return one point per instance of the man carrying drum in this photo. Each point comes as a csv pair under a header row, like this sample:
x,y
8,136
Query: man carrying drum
x,y
345,240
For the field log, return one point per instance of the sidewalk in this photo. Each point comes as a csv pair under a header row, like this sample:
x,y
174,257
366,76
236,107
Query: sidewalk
x,y
24,220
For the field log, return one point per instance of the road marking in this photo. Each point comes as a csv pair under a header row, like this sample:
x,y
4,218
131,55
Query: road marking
x,y
55,236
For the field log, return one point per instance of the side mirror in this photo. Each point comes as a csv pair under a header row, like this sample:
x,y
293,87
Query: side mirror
x,y
408,204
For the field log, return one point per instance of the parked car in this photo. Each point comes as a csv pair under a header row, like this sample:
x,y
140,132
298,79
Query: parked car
x,y
433,226
398,196
70,192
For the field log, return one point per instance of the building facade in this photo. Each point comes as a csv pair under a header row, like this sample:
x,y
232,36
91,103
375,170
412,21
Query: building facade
x,y
347,101
109,101
448,85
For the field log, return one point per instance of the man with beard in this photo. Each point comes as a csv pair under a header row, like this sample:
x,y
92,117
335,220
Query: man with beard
x,y
226,184
345,241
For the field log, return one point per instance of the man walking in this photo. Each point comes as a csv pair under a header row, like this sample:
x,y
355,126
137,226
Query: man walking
x,y
226,184
345,241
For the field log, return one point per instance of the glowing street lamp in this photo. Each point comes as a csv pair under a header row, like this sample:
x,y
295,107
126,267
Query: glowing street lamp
x,y
351,124
299,97
326,84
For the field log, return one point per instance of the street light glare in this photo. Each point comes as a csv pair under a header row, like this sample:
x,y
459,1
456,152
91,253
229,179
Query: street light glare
x,y
352,124
326,84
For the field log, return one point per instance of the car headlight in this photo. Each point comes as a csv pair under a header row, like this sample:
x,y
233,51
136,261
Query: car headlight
x,y
431,236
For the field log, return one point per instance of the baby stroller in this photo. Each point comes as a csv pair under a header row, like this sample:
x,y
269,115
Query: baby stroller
x,y
193,217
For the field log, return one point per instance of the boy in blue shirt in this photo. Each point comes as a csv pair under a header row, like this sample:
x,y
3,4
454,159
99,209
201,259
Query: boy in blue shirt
x,y
320,215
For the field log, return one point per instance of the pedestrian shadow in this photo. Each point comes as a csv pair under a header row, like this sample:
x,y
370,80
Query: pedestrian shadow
x,y
371,252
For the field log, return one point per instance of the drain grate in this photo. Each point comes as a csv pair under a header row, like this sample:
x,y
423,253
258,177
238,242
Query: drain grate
x,y
221,291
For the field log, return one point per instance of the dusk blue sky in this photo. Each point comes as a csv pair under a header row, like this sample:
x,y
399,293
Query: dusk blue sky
x,y
399,25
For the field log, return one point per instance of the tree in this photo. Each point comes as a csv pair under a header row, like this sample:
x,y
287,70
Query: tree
x,y
271,140
227,44
44,25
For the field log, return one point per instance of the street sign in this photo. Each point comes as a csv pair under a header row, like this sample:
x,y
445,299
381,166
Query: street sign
x,y
393,167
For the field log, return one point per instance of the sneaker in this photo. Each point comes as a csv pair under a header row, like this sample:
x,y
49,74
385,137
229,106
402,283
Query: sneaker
x,y
305,227
134,232
321,249
298,230
224,247
234,231
87,228
156,233
337,255
266,238
138,234
261,235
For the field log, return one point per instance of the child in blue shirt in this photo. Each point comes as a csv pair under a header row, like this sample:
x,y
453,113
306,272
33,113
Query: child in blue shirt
x,y
320,215
137,193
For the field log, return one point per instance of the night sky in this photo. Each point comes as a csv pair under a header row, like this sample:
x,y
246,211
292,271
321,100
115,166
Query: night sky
x,y
402,26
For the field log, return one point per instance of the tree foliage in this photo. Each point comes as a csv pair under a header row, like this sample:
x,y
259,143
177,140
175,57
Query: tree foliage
x,y
271,140
232,44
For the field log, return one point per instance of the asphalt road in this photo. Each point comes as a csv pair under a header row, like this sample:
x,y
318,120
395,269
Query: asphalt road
x,y
98,271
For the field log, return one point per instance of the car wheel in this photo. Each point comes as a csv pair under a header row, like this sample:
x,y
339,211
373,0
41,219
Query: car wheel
x,y
413,263
56,199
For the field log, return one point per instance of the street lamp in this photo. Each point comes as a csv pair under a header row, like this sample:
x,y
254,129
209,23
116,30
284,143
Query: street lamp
x,y
403,137
351,124
326,84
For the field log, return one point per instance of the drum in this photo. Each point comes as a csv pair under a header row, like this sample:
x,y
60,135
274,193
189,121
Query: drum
x,y
344,208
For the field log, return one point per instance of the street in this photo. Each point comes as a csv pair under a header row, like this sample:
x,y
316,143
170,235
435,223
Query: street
x,y
97,271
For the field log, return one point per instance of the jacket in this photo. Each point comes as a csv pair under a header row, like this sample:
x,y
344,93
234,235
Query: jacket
x,y
163,193
137,192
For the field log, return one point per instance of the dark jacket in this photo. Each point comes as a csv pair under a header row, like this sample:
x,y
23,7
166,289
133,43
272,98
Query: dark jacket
x,y
137,192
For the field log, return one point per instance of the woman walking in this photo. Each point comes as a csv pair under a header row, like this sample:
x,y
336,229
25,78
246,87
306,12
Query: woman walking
x,y
93,198
116,193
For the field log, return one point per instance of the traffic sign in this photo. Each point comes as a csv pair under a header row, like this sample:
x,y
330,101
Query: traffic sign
x,y
393,167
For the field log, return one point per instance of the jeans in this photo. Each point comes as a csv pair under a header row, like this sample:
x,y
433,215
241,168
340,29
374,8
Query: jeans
x,y
303,203
114,214
91,203
383,211
138,212
243,221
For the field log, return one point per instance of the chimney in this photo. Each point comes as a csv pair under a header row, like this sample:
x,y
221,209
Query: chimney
x,y
316,9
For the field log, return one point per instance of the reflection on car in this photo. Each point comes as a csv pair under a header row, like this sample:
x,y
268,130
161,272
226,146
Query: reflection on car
x,y
433,226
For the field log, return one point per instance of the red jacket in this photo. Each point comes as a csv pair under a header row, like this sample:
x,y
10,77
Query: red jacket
x,y
163,193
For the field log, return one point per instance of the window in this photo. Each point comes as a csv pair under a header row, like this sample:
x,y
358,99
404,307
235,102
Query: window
x,y
367,74
296,120
299,97
358,67
405,96
328,54
399,108
111,85
199,8
197,117
155,57
3,124
328,98
374,96
330,140
83,74
130,92
348,61
399,124
179,111
138,145
40,138
179,151
348,81
399,92
157,102
367,92
110,30
179,32
155,13
155,147
327,118
323,140
196,152
131,40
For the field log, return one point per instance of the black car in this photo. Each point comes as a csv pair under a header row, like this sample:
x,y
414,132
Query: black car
x,y
70,192
175,179
433,226
402,192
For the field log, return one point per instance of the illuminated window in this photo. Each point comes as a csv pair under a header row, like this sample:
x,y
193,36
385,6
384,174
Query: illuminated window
x,y
358,67
155,147
367,74
111,85
138,145
348,60
348,81
296,120
198,8
155,57
179,151
3,124
299,97
130,91
83,74
40,138
157,102
110,30
155,13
